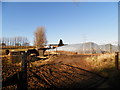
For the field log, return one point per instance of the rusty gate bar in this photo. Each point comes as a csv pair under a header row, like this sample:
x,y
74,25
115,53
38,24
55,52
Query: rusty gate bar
x,y
117,60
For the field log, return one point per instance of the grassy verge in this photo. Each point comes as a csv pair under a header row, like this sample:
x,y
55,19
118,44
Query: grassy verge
x,y
101,62
104,64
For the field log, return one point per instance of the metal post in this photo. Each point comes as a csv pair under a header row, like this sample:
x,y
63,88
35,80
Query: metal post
x,y
117,60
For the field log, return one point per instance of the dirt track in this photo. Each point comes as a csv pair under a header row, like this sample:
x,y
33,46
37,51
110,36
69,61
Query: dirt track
x,y
60,75
66,71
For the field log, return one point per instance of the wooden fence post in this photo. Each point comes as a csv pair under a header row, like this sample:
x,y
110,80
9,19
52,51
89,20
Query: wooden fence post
x,y
23,75
117,60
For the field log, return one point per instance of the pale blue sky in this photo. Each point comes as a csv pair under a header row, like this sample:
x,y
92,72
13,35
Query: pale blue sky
x,y
72,22
60,0
0,19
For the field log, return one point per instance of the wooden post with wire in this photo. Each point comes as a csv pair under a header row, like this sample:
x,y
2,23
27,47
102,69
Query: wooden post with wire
x,y
117,60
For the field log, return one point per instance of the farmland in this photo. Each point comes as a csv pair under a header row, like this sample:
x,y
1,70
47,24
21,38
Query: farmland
x,y
63,70
59,45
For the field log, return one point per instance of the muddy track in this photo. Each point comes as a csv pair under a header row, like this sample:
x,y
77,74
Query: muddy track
x,y
59,75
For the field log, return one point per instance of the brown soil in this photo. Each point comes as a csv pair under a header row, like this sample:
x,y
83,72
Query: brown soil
x,y
63,71
74,60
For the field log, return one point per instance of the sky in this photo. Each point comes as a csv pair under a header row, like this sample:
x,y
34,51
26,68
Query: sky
x,y
60,0
72,22
119,24
0,19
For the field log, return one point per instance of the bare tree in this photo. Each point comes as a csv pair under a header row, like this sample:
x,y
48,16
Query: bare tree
x,y
14,41
40,37
0,40
25,42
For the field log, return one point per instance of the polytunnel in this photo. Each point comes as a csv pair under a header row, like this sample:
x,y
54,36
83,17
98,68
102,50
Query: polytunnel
x,y
82,48
109,48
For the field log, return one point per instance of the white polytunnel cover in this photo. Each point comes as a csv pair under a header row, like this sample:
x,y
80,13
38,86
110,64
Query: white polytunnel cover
x,y
109,48
88,47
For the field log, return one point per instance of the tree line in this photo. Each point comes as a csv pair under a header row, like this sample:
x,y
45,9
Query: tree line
x,y
39,39
14,41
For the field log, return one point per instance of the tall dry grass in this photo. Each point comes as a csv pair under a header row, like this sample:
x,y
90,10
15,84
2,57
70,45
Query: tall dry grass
x,y
102,61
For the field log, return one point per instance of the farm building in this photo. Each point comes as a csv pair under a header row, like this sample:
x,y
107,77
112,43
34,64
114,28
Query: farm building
x,y
57,45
